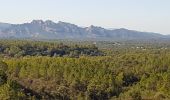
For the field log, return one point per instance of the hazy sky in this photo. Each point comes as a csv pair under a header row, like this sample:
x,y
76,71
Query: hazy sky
x,y
142,15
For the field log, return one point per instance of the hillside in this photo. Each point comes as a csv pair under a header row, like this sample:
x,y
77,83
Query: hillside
x,y
62,30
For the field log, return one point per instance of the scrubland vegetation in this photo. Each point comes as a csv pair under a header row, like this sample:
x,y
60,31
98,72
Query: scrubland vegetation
x,y
84,71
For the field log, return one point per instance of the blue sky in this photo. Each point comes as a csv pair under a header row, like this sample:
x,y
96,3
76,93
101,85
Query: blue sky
x,y
142,15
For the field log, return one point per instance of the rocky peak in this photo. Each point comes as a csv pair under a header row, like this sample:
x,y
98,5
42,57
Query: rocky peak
x,y
92,28
49,22
49,29
67,24
39,22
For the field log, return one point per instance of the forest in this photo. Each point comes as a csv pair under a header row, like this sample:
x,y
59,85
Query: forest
x,y
84,70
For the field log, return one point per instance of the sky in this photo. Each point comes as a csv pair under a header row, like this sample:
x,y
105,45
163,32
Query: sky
x,y
141,15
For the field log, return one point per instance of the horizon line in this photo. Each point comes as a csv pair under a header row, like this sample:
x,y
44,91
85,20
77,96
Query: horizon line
x,y
108,28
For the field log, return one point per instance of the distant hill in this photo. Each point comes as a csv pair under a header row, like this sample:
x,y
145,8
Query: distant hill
x,y
4,26
62,30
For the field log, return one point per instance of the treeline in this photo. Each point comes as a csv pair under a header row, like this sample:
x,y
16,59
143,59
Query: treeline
x,y
129,76
19,48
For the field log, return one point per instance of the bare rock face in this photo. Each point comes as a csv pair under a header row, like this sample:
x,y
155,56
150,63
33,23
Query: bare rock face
x,y
62,30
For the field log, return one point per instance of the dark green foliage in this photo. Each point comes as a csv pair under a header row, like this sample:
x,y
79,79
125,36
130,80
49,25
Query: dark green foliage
x,y
80,73
136,95
35,48
3,76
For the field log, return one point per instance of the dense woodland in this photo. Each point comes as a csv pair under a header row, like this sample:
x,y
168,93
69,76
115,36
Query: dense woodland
x,y
36,48
36,70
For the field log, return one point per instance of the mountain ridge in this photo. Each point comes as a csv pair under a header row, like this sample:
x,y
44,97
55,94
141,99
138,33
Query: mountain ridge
x,y
63,30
